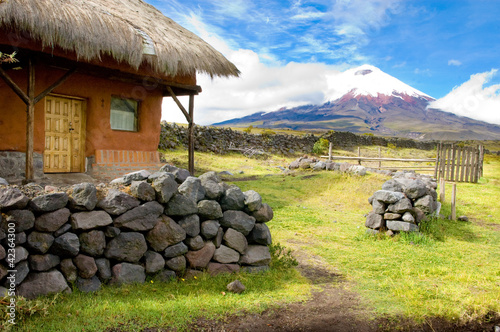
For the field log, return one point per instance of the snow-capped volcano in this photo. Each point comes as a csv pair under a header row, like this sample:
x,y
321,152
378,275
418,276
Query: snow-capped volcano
x,y
367,100
368,80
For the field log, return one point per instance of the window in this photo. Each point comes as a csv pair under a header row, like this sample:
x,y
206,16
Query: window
x,y
124,114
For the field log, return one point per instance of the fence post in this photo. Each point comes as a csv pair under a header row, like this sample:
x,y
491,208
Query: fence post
x,y
453,202
359,155
330,146
442,190
380,156
453,155
437,160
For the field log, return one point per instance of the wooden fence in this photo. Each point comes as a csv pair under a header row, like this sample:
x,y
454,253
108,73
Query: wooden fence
x,y
459,164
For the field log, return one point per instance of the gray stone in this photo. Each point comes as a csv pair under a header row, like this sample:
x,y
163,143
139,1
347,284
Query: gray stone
x,y
264,214
175,250
43,283
236,287
90,220
191,225
92,243
372,231
112,231
209,209
413,188
358,170
118,181
253,200
226,255
408,217
22,270
103,269
463,218
117,202
395,225
419,215
165,187
180,205
209,228
23,220
195,243
319,166
43,262
192,189
127,246
49,202
141,218
177,263
86,266
392,185
88,285
3,182
305,163
213,190
3,271
235,240
168,168
233,199
400,206
388,197
19,238
389,233
378,206
165,276
199,259
166,232
217,240
260,234
3,254
391,216
217,268
426,204
181,175
82,196
20,254
136,176
256,255
12,198
3,291
126,273
210,176
63,229
69,270
238,220
52,221
143,191
374,221
153,262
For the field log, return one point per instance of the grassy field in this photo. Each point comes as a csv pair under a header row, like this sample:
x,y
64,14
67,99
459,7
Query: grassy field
x,y
449,270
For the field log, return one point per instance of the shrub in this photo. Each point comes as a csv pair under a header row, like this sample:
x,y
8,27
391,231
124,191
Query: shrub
x,y
321,146
248,130
281,258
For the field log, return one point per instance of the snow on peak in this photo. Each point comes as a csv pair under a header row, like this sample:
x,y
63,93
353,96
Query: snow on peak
x,y
368,80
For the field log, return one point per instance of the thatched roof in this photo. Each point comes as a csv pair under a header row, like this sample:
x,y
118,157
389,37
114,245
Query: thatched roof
x,y
128,30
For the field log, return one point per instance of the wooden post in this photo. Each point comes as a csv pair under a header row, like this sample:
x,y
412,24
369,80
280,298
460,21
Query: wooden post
x,y
443,161
359,155
30,122
453,155
481,160
330,147
457,165
473,164
467,164
462,166
448,164
438,150
380,156
454,202
442,190
191,135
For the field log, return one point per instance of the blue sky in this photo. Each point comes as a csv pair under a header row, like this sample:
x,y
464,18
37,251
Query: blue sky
x,y
447,49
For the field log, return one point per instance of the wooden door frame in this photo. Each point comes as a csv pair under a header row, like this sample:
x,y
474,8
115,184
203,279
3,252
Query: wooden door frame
x,y
83,131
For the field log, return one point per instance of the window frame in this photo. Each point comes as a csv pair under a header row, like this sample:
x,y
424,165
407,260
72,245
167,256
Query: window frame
x,y
136,114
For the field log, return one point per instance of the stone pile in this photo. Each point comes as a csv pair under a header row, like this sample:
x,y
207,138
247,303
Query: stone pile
x,y
316,164
403,203
164,225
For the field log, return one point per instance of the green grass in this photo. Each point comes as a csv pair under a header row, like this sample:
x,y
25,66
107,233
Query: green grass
x,y
449,270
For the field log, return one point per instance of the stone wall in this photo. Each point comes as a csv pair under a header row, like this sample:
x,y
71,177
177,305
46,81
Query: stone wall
x,y
402,204
160,225
13,165
219,140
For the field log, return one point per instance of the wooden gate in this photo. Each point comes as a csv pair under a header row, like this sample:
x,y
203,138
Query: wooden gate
x,y
459,164
64,134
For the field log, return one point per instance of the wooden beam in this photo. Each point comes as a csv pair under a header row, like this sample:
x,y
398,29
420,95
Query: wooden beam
x,y
378,159
30,121
55,85
177,101
191,135
14,86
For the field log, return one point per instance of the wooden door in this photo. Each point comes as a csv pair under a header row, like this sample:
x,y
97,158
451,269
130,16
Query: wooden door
x,y
64,134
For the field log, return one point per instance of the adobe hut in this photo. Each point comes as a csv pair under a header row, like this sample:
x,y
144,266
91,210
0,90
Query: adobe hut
x,y
86,93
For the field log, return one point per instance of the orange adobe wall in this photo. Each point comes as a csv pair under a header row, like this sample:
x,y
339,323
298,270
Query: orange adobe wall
x,y
97,92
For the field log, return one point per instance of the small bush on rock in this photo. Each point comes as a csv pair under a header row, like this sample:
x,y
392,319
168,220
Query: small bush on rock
x,y
281,257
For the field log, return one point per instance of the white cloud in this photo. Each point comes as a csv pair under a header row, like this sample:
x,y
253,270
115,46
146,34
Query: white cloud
x,y
453,62
474,99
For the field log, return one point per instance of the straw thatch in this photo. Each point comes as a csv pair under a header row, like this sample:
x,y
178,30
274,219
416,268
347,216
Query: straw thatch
x,y
123,29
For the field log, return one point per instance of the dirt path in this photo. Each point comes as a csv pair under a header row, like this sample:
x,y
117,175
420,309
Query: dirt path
x,y
332,308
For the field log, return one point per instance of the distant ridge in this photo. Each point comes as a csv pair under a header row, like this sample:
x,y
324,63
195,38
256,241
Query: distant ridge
x,y
367,100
